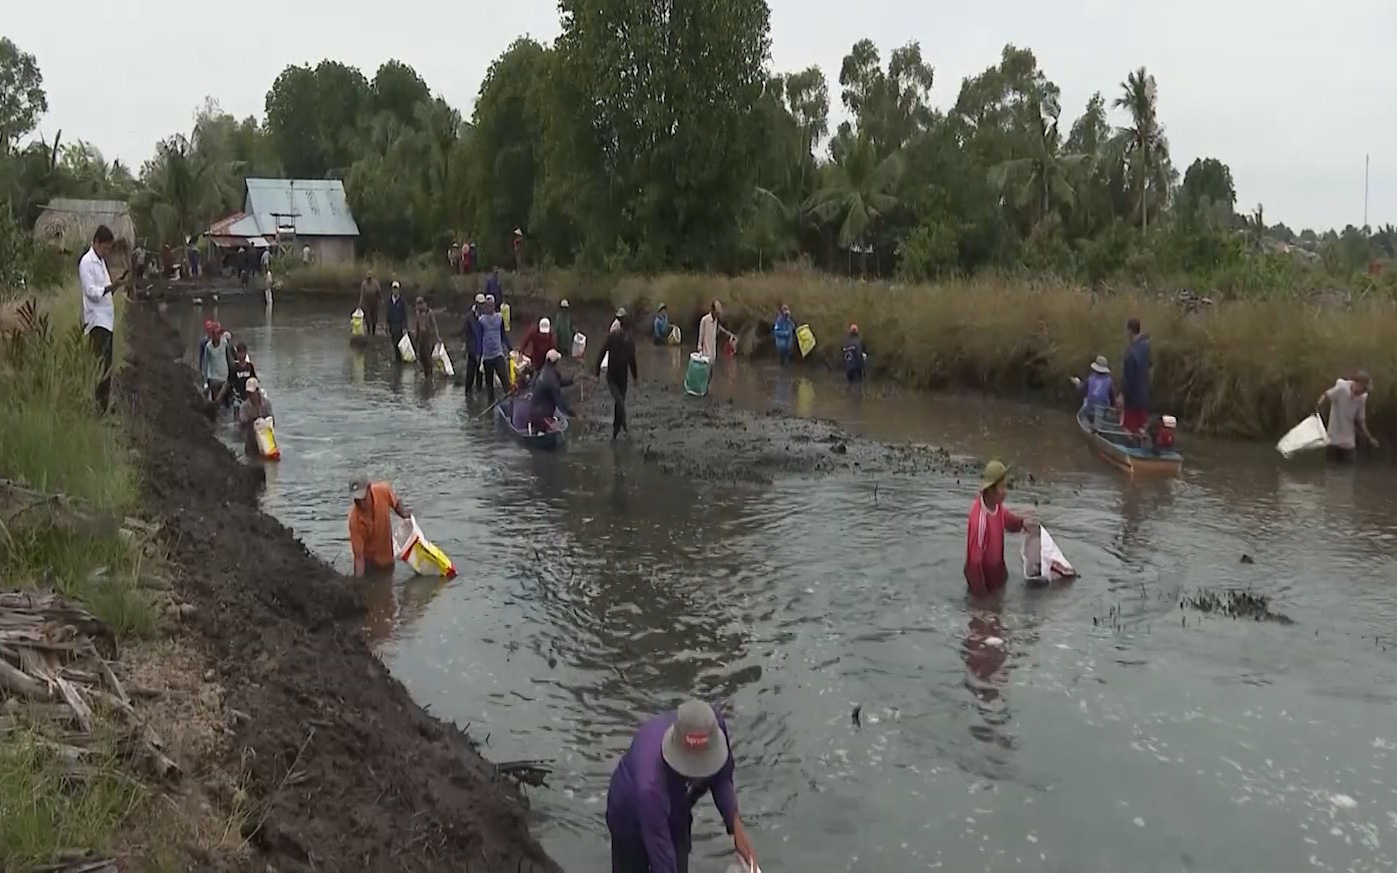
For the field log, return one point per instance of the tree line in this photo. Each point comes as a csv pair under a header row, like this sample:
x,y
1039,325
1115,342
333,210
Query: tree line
x,y
651,137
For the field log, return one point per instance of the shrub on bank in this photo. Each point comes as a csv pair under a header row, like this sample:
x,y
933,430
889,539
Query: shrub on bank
x,y
347,276
53,441
1245,368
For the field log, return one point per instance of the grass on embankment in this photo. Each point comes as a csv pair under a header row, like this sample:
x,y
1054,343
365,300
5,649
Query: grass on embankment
x,y
1248,369
52,440
347,276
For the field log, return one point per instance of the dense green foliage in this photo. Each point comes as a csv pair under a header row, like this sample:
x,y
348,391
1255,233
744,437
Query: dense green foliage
x,y
650,137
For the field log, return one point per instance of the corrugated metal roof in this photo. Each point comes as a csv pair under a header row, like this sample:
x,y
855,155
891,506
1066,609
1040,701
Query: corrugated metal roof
x,y
318,205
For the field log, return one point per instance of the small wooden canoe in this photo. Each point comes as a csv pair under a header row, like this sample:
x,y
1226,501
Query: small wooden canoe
x,y
1124,451
547,441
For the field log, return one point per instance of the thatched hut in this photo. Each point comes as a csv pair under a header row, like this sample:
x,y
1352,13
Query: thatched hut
x,y
68,224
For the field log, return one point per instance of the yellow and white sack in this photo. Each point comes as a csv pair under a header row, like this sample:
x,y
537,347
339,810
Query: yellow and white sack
x,y
443,360
418,552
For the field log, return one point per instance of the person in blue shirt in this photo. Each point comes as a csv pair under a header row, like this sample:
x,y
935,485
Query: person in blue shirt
x,y
673,761
854,357
661,326
1099,390
493,287
784,332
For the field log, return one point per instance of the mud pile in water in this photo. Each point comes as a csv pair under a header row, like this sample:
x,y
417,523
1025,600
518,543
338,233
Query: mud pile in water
x,y
344,771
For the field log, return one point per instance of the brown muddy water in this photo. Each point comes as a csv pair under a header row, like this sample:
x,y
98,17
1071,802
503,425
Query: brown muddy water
x,y
1091,727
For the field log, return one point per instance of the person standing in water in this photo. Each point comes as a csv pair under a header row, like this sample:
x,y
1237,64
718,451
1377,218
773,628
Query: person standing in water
x,y
659,328
370,528
985,570
370,294
674,760
494,345
425,335
471,331
783,332
854,355
397,316
1348,416
619,353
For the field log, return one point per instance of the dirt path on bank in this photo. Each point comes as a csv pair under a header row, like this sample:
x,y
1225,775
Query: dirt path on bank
x,y
341,769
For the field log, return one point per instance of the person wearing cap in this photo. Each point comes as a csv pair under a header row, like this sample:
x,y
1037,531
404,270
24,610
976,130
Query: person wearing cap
x,y
1348,416
208,337
425,334
547,398
370,295
709,328
241,371
985,570
783,332
470,330
396,315
854,356
217,351
659,329
370,529
254,406
619,353
494,346
673,760
538,341
1098,391
562,329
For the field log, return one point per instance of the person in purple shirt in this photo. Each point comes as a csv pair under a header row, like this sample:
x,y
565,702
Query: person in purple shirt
x,y
674,759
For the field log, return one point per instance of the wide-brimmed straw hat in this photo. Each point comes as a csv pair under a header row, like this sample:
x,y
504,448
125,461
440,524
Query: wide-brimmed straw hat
x,y
694,746
995,472
1099,365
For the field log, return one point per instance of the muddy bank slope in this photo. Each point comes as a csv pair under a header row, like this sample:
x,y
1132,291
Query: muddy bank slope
x,y
342,770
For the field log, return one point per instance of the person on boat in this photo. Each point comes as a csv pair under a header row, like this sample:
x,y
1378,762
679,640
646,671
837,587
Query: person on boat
x,y
538,341
241,372
1348,416
547,395
1098,391
674,760
425,334
661,329
396,316
619,353
784,332
370,295
370,529
854,357
985,570
563,331
494,345
1135,379
470,332
256,405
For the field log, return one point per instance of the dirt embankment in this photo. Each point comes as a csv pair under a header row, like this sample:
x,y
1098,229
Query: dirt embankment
x,y
337,767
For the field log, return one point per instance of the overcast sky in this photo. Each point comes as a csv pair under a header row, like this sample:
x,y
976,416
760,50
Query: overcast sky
x,y
1291,95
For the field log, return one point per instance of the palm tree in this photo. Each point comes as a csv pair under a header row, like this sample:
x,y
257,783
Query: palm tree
x,y
1043,178
1143,148
860,188
183,189
769,226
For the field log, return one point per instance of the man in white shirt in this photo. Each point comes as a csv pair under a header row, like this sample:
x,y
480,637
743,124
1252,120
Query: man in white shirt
x,y
1348,415
709,328
98,310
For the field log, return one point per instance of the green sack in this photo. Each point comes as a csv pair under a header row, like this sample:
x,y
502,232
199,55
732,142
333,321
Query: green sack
x,y
697,377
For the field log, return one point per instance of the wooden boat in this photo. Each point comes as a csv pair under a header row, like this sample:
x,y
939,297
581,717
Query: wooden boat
x,y
1123,450
546,442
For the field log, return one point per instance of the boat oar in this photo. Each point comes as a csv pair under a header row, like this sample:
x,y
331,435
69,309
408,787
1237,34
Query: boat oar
x,y
497,403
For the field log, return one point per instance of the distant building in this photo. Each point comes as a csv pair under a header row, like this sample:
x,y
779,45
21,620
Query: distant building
x,y
291,214
68,224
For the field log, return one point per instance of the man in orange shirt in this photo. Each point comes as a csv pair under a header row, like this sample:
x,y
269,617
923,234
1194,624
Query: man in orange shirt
x,y
370,531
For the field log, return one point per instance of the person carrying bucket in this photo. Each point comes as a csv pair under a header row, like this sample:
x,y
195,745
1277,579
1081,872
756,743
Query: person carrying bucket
x,y
425,334
1348,415
370,530
985,570
397,315
619,353
660,327
370,295
538,341
673,760
256,405
783,332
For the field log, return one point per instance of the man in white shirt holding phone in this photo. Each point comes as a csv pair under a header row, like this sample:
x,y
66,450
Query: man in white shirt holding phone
x,y
98,309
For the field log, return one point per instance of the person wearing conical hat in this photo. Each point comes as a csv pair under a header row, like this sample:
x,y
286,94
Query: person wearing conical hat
x,y
985,570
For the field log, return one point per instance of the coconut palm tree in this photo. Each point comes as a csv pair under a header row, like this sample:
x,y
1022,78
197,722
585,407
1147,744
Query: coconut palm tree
x,y
859,189
1041,180
1142,145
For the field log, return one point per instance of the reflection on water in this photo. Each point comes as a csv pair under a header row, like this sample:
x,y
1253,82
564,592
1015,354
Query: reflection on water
x,y
1085,727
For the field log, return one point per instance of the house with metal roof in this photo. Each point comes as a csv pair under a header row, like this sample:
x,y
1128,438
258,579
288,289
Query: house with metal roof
x,y
292,214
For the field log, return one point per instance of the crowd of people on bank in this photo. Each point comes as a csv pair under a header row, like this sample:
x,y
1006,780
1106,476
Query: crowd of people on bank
x,y
677,757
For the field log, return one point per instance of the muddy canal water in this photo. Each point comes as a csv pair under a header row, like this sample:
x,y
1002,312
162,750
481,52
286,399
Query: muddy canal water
x,y
1092,727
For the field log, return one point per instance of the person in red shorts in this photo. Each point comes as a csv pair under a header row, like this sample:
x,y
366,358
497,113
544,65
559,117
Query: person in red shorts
x,y
1135,381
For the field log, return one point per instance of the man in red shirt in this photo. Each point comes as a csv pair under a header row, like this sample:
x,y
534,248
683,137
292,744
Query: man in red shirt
x,y
985,570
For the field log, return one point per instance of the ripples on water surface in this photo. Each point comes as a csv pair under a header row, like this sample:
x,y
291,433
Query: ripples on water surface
x,y
594,591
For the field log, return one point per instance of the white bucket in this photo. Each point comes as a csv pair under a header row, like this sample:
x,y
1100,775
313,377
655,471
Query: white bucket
x,y
579,345
443,360
1308,434
405,349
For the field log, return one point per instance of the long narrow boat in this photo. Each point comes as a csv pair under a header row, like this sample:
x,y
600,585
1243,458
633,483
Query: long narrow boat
x,y
546,441
1123,451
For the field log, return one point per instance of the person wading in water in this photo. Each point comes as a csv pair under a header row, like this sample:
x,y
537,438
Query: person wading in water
x,y
370,529
425,335
494,344
985,570
397,317
619,353
370,295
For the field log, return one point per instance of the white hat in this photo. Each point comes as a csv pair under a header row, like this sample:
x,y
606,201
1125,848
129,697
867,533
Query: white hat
x,y
490,297
545,326
252,384
563,303
553,356
694,746
396,284
480,298
1099,365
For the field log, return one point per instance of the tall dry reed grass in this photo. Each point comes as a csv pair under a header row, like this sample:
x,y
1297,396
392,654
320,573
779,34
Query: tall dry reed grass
x,y
1246,369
